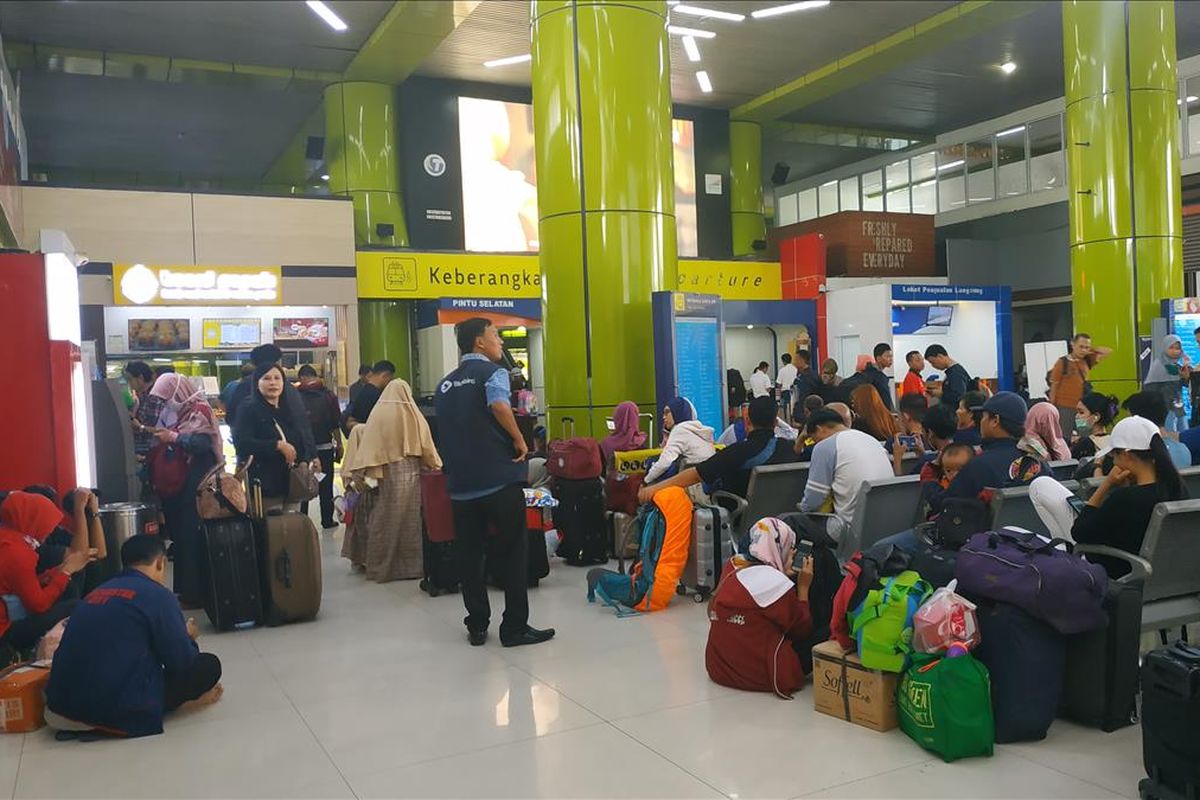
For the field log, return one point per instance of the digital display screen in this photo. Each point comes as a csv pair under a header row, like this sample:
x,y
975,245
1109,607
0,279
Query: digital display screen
x,y
698,367
302,332
940,316
238,333
499,176
148,335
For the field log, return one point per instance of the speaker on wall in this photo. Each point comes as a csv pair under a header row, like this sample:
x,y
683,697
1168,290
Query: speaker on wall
x,y
780,175
385,230
314,148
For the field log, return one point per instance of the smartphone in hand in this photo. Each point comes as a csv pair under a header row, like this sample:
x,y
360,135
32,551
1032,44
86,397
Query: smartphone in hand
x,y
804,549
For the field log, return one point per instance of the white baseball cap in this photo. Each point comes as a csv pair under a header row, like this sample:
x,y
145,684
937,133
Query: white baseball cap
x,y
1132,433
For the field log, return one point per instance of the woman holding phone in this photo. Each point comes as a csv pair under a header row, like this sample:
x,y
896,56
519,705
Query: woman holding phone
x,y
759,614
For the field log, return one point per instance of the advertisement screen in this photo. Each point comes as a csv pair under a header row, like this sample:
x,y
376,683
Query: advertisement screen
x,y
146,335
302,332
238,332
499,177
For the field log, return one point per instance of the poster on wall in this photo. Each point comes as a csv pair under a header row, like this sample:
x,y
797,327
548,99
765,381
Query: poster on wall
x,y
302,332
231,333
499,177
159,334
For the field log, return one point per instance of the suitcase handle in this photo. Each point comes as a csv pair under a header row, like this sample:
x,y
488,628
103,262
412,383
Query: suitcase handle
x,y
649,429
570,420
284,572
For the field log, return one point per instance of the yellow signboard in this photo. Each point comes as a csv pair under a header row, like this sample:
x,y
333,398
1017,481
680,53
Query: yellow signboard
x,y
191,285
732,280
418,276
635,462
242,333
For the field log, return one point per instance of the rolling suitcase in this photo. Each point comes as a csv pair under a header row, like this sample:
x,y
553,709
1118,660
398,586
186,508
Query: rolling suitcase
x,y
574,457
712,546
289,552
234,591
437,539
1101,675
1170,719
1025,658
579,517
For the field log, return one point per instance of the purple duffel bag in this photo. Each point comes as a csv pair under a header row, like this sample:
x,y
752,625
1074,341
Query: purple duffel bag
x,y
1015,566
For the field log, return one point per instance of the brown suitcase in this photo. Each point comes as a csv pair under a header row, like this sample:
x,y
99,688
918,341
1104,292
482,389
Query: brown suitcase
x,y
290,562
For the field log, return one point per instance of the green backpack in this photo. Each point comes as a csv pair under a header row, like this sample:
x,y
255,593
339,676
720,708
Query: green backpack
x,y
883,624
945,705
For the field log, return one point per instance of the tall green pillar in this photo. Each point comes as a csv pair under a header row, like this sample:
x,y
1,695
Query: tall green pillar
x,y
385,332
360,154
745,186
1122,144
602,121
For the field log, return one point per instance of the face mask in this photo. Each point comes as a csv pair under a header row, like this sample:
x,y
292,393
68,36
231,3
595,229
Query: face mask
x,y
1082,424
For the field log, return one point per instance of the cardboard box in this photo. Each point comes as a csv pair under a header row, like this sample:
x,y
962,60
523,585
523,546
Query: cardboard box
x,y
23,697
844,688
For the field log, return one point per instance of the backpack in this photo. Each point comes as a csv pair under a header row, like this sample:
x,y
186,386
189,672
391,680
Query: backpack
x,y
945,705
863,572
321,417
883,624
167,465
665,526
827,579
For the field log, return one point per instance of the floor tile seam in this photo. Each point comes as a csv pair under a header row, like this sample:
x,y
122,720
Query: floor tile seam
x,y
473,751
667,759
1064,772
320,744
672,707
17,773
920,762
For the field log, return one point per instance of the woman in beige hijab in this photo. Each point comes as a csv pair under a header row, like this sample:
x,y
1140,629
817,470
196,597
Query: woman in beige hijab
x,y
389,450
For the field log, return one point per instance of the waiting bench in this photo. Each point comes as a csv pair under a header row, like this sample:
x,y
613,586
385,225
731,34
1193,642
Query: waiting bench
x,y
773,489
885,506
1013,506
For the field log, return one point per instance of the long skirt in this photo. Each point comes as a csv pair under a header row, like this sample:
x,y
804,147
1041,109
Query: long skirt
x,y
393,548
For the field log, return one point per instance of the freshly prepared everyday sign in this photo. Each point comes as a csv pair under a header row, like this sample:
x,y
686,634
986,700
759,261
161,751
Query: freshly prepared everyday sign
x,y
146,285
871,244
418,276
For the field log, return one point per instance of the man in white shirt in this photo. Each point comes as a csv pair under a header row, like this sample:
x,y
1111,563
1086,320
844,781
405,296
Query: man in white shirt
x,y
842,460
784,380
760,381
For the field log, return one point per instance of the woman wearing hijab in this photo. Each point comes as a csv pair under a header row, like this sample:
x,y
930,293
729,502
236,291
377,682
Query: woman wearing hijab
x,y
1168,373
759,615
266,429
184,418
33,603
688,441
1043,434
394,447
626,434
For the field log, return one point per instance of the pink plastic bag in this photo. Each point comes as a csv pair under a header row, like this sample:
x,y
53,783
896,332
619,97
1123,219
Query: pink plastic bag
x,y
48,644
946,618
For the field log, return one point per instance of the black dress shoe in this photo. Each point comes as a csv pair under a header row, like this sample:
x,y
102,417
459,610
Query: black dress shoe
x,y
477,638
529,636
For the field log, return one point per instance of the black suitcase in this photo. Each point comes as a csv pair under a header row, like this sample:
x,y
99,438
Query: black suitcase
x,y
234,592
579,517
441,567
1025,658
1101,683
1171,719
537,562
934,564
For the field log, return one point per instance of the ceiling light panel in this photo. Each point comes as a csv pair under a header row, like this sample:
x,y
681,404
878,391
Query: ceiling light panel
x,y
705,83
508,61
689,47
709,13
326,13
678,30
790,8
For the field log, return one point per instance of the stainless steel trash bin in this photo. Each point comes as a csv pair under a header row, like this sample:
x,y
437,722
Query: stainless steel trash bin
x,y
122,521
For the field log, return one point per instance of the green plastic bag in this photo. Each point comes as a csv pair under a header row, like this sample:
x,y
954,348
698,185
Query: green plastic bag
x,y
945,705
883,623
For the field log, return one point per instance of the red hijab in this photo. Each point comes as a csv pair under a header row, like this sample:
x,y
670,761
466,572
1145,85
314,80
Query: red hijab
x,y
30,515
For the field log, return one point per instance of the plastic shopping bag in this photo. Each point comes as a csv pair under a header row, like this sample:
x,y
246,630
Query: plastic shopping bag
x,y
945,619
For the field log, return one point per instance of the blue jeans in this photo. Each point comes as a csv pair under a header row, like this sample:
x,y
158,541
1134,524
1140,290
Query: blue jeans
x,y
905,540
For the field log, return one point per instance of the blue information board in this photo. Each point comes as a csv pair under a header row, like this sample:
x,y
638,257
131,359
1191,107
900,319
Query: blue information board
x,y
689,354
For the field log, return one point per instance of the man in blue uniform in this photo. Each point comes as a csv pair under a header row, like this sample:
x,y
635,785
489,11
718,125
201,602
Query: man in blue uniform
x,y
127,657
484,452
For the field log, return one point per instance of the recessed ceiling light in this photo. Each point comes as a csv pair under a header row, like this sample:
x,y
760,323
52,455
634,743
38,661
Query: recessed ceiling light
x,y
1008,67
699,34
1191,98
951,165
705,83
696,11
326,13
689,47
504,62
774,11
1010,131
324,177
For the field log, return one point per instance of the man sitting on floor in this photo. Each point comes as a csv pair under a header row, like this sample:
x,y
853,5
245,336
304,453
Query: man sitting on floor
x,y
127,657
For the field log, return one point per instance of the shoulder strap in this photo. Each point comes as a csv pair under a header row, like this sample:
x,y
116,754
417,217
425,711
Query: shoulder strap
x,y
762,457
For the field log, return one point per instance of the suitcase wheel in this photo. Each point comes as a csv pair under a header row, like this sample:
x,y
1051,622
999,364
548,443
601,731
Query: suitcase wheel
x,y
700,596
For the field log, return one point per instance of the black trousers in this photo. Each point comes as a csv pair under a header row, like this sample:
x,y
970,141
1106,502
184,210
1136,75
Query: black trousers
x,y
25,633
326,485
202,675
503,511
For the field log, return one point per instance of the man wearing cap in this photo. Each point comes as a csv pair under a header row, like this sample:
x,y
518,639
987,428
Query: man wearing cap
x,y
1000,464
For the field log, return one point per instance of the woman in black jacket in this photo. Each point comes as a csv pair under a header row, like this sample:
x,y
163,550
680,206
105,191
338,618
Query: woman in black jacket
x,y
267,431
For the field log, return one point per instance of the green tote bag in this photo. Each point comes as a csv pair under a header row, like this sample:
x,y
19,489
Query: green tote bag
x,y
945,705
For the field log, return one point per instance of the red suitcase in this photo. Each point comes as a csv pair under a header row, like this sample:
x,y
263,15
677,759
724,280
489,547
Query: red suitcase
x,y
435,507
574,457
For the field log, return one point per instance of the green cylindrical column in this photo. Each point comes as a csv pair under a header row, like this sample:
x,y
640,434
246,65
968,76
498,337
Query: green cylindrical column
x,y
602,121
745,186
385,332
1122,144
360,153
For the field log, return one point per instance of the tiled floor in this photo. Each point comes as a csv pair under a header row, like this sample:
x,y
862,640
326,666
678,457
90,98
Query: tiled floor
x,y
381,697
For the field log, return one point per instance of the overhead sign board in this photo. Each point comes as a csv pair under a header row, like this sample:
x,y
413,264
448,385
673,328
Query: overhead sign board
x,y
154,285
